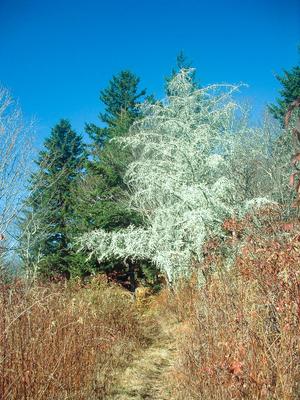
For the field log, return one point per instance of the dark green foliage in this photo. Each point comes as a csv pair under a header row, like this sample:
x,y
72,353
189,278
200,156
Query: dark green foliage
x,y
121,96
48,224
283,146
120,99
103,191
102,194
290,81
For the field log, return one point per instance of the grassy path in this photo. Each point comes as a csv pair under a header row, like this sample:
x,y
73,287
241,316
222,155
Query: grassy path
x,y
147,375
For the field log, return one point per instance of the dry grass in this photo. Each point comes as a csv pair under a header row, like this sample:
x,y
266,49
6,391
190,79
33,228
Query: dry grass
x,y
239,335
66,341
235,338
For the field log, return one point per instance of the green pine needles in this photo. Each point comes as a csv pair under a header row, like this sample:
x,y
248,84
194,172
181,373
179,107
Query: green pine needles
x,y
48,221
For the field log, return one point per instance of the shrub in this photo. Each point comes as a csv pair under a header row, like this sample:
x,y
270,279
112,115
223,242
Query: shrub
x,y
65,340
240,339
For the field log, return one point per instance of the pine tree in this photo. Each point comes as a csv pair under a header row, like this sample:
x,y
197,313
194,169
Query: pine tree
x,y
283,146
182,63
290,81
103,194
121,96
120,99
47,226
108,161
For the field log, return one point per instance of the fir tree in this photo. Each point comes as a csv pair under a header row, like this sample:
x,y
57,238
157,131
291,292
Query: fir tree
x,y
121,96
103,194
120,99
108,161
284,144
290,81
182,63
47,226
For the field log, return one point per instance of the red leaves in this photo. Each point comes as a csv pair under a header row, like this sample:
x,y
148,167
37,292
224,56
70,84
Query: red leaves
x,y
236,368
288,227
243,340
292,178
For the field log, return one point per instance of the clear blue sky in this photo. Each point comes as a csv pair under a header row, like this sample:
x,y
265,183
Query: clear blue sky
x,y
55,56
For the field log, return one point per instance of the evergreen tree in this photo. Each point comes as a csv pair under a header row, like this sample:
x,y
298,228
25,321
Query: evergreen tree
x,y
290,81
283,145
108,161
48,224
120,99
121,96
103,194
182,63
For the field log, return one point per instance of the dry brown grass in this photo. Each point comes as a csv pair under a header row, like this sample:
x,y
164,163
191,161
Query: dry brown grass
x,y
66,341
239,335
235,338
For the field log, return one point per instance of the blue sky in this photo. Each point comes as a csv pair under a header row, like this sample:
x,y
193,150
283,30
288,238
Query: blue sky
x,y
55,56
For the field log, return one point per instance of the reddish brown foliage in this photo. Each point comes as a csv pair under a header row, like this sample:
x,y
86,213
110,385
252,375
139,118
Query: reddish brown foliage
x,y
65,341
239,338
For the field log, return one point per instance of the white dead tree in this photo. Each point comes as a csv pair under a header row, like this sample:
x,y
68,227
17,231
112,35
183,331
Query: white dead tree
x,y
185,179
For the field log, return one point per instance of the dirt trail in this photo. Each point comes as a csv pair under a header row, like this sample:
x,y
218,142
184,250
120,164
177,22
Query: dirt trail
x,y
146,377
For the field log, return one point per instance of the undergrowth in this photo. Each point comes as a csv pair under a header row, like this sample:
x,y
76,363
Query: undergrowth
x,y
235,337
238,335
66,340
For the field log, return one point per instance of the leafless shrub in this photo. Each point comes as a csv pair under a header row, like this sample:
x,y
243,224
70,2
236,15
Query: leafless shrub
x,y
239,334
65,340
15,150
